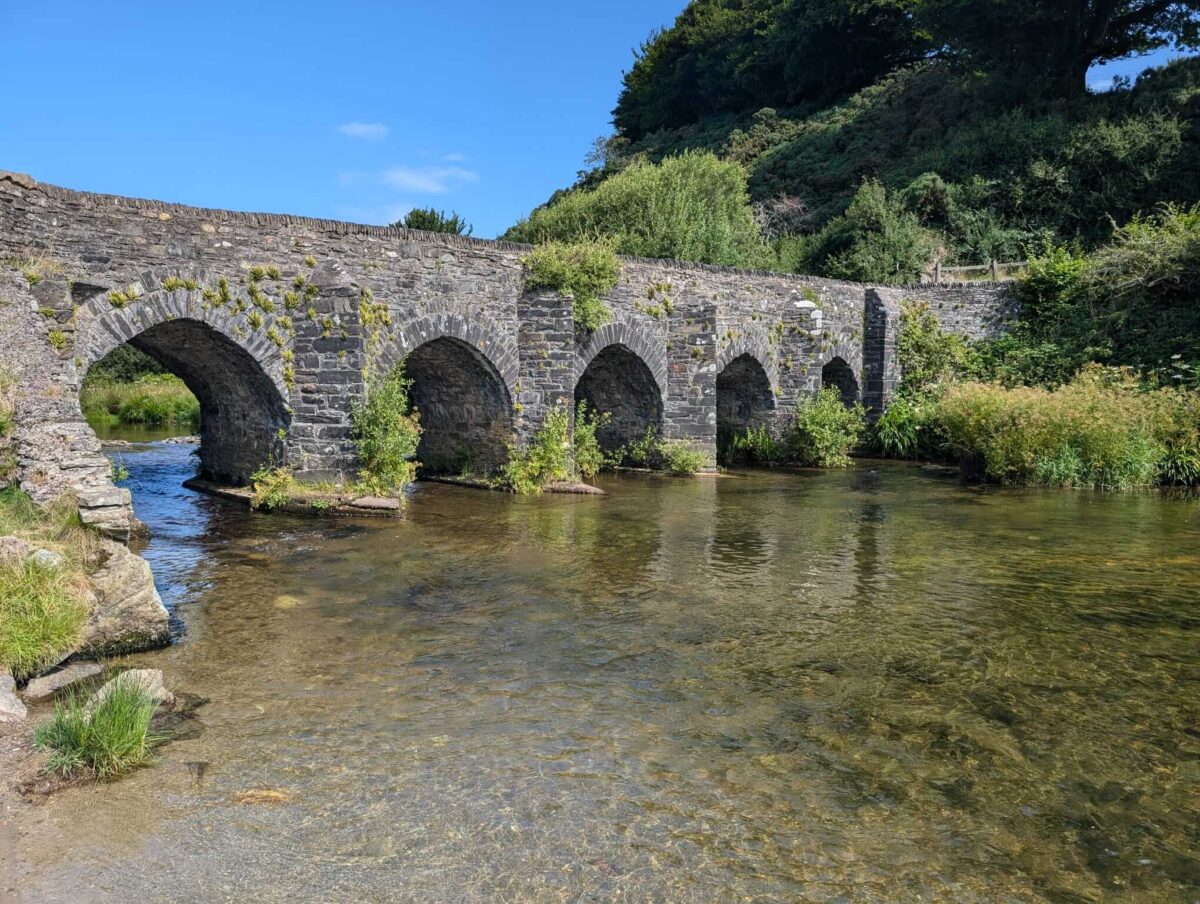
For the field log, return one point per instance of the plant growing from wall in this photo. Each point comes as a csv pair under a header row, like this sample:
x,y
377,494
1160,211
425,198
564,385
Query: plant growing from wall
x,y
586,270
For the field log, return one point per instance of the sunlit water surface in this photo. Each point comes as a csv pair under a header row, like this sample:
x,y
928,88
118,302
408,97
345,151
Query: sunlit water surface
x,y
868,686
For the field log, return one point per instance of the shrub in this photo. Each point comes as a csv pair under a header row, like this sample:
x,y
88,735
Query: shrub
x,y
1103,429
386,433
825,430
271,488
928,356
658,454
548,457
585,270
897,432
876,240
691,207
105,739
682,458
432,220
749,446
589,457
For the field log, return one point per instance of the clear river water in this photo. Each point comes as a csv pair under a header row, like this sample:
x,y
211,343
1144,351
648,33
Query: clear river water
x,y
876,685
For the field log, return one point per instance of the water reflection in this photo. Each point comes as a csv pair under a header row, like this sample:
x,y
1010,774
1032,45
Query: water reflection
x,y
864,686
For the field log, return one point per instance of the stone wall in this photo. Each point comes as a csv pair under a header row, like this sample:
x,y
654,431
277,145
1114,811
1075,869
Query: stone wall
x,y
276,321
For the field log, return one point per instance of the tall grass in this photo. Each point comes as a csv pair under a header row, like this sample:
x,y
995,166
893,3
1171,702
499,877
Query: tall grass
x,y
106,738
42,608
42,616
1103,429
154,401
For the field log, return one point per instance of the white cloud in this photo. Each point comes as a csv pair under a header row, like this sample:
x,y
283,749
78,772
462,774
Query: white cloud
x,y
456,158
366,131
433,180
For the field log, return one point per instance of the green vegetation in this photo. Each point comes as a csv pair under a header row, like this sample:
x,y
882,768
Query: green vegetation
x,y
825,430
104,738
547,459
749,446
272,488
877,137
153,400
1103,429
7,384
589,457
386,434
430,219
586,270
690,207
42,609
658,454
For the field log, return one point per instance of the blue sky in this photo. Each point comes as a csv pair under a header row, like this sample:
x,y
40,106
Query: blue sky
x,y
353,110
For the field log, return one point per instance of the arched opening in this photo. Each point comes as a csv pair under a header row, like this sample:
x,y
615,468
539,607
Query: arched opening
x,y
745,401
237,410
617,383
840,376
464,406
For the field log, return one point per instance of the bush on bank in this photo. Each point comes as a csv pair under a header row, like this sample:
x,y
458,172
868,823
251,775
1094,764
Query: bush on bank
x,y
1103,429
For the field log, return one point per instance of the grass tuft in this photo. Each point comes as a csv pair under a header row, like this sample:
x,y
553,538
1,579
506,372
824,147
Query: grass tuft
x,y
107,739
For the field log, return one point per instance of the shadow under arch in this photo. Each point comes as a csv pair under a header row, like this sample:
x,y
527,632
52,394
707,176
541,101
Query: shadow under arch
x,y
242,411
745,399
618,383
465,407
839,375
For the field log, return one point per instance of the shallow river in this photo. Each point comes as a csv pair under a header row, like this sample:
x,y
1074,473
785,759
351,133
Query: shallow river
x,y
868,686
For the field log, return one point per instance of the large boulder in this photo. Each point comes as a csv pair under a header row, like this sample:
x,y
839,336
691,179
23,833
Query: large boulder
x,y
126,611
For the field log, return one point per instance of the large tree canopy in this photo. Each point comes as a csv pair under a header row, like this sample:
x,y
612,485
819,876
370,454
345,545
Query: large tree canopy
x,y
733,55
737,56
1061,40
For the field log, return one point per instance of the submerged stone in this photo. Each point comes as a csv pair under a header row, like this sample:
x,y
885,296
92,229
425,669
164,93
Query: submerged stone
x,y
48,685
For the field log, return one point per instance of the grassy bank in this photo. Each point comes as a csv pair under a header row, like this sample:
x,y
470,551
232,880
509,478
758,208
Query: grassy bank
x,y
159,400
42,608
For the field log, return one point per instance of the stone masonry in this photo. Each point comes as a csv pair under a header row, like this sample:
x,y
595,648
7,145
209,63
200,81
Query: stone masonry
x,y
276,323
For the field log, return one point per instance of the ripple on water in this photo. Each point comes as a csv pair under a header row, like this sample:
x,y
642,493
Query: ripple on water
x,y
837,687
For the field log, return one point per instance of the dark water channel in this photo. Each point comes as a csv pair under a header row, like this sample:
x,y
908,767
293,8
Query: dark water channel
x,y
869,686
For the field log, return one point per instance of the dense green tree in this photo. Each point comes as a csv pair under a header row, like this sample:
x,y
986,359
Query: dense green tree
x,y
732,55
1053,45
429,219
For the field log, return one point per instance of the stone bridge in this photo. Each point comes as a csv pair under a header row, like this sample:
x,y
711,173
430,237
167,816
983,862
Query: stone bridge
x,y
275,322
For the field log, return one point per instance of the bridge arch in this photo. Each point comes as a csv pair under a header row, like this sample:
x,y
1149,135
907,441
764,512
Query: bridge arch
x,y
236,374
837,374
464,376
622,372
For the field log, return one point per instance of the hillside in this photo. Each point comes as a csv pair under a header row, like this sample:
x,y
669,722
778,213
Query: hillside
x,y
876,171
